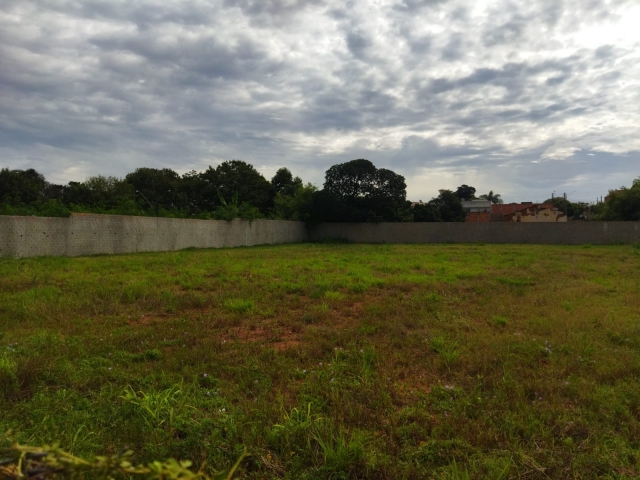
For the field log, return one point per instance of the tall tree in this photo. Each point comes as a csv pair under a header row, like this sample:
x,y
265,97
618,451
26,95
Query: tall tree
x,y
492,197
284,183
465,192
297,206
236,177
156,188
351,180
99,192
426,212
365,193
449,207
21,186
196,192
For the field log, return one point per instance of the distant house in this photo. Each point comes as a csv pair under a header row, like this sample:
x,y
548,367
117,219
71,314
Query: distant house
x,y
485,211
535,212
477,210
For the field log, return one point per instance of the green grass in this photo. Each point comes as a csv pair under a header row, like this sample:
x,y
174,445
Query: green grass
x,y
332,361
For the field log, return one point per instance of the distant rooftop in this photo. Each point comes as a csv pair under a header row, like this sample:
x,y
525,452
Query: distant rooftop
x,y
476,205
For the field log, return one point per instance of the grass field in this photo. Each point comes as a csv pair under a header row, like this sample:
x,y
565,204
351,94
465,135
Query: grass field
x,y
332,361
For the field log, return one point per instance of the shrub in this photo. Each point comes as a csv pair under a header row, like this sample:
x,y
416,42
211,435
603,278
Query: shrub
x,y
238,305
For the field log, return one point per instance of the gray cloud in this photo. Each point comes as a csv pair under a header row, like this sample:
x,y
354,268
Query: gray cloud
x,y
508,33
455,48
519,97
357,44
416,5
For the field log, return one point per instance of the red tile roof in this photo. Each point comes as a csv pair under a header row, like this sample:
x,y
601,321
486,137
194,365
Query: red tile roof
x,y
507,208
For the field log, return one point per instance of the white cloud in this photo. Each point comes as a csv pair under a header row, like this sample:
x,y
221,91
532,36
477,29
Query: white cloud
x,y
441,91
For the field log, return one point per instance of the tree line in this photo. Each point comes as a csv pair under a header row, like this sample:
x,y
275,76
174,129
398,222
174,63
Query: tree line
x,y
354,191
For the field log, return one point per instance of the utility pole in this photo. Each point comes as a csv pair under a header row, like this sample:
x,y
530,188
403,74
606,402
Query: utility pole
x,y
566,203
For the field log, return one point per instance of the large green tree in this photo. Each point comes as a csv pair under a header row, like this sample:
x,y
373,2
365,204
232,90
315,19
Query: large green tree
x,y
99,192
465,192
197,194
351,180
236,177
623,204
363,193
284,183
21,186
157,188
426,212
449,207
297,206
26,192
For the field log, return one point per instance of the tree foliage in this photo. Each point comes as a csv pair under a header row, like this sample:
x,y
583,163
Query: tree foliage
x,y
21,186
573,210
449,207
236,177
233,209
297,206
156,188
623,204
350,180
284,183
492,197
426,212
99,192
357,191
354,191
465,192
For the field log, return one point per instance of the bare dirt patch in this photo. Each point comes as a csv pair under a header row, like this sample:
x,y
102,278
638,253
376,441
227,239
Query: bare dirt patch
x,y
276,337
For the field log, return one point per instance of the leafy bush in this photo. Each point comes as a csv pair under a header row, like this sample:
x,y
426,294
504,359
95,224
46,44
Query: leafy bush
x,y
230,210
42,462
623,204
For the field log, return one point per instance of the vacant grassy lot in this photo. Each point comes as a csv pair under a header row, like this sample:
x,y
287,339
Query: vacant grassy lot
x,y
332,361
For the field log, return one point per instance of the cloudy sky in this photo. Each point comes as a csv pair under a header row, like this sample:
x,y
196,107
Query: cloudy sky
x,y
524,97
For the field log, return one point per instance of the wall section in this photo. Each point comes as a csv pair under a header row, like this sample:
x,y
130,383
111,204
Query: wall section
x,y
572,233
86,234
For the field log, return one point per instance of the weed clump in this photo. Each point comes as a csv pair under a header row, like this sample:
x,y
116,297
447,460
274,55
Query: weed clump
x,y
8,375
239,306
444,347
148,355
333,295
309,318
500,321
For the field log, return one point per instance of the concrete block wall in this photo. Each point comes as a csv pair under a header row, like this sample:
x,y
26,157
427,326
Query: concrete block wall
x,y
86,234
33,236
571,233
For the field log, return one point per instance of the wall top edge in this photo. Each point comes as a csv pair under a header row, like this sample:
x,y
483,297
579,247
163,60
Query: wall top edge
x,y
102,215
241,220
490,224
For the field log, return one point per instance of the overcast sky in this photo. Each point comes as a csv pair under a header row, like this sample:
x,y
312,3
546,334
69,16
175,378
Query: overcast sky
x,y
524,97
